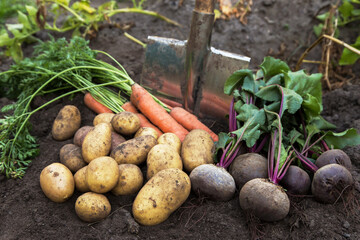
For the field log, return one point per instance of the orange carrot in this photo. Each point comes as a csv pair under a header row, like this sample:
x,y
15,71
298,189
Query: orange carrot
x,y
190,121
169,103
94,105
129,107
144,122
155,113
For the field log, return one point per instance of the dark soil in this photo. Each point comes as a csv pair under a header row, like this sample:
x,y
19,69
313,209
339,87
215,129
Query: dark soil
x,y
25,212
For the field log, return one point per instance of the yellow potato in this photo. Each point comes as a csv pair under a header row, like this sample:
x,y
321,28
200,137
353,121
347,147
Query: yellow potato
x,y
80,135
57,182
197,149
66,123
97,142
80,180
146,131
160,157
102,174
92,207
170,139
103,118
130,180
70,156
134,151
126,123
160,196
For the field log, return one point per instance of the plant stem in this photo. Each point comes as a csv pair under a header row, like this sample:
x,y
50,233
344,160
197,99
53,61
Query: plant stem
x,y
44,105
67,9
134,39
325,145
306,161
146,12
317,41
262,144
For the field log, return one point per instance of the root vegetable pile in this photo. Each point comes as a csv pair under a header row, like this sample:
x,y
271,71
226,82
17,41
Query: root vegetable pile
x,y
91,167
277,113
277,145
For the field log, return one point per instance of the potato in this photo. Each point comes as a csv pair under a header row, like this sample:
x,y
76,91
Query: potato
x,y
146,131
165,192
170,139
70,156
57,182
160,157
130,180
125,123
80,180
196,149
80,135
97,142
134,151
102,174
103,118
92,207
116,140
66,123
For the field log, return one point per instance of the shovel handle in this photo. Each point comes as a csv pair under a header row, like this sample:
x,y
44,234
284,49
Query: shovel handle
x,y
205,6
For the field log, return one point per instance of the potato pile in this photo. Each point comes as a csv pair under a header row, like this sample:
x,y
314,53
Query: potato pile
x,y
112,157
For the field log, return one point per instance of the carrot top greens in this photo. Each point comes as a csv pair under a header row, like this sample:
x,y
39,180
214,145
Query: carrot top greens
x,y
56,66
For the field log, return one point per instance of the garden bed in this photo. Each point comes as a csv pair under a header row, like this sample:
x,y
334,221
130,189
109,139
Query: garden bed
x,y
26,213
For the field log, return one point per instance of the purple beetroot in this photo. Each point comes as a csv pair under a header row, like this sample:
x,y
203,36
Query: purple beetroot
x,y
331,183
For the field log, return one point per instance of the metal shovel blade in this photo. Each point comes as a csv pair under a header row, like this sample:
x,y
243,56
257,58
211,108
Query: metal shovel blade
x,y
191,73
164,68
219,66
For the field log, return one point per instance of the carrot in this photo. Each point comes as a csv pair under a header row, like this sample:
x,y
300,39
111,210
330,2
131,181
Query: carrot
x,y
169,103
190,121
129,107
154,112
144,122
94,105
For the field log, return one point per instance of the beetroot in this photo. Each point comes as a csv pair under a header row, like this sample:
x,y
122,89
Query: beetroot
x,y
333,156
264,199
246,167
296,181
213,182
331,182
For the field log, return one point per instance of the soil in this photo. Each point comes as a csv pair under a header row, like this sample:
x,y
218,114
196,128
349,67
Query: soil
x,y
274,27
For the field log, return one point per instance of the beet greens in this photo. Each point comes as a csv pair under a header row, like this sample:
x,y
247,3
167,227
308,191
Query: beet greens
x,y
278,112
